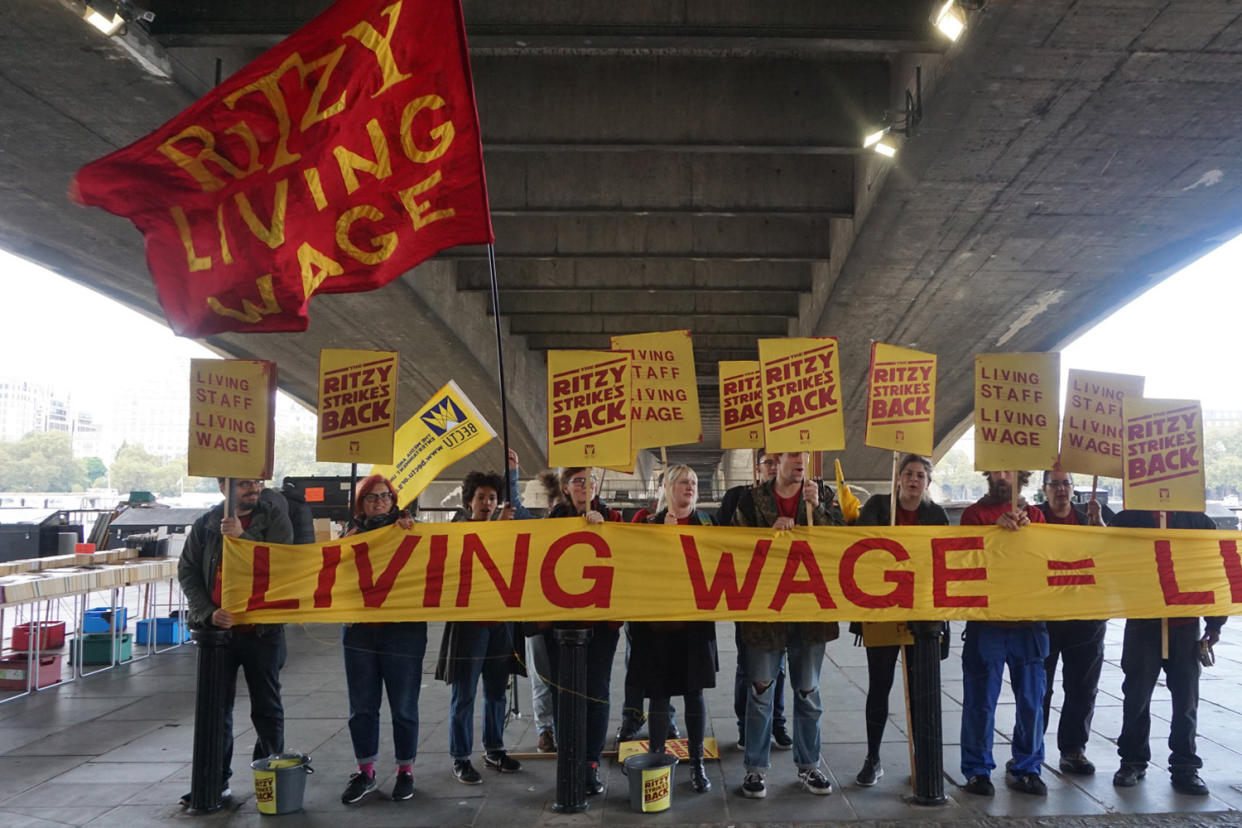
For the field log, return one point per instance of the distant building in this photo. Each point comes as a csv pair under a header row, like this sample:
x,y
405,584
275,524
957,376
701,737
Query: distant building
x,y
1222,419
27,406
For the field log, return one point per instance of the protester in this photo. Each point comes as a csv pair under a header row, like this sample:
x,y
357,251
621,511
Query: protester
x,y
989,646
1141,663
579,500
1079,644
258,649
677,658
379,658
781,503
914,508
472,650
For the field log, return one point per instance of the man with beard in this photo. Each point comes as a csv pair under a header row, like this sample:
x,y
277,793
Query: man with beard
x,y
989,646
1079,645
258,649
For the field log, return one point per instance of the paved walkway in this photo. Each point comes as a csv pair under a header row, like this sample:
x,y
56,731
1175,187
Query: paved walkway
x,y
113,749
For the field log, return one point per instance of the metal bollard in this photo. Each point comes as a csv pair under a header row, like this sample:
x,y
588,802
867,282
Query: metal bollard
x,y
207,771
925,720
571,728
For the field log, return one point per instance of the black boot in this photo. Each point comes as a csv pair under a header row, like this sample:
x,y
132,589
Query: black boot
x,y
698,774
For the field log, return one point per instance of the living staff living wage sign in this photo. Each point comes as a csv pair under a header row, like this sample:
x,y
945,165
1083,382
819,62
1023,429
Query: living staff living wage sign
x,y
357,406
741,405
1163,445
664,395
1091,428
333,163
563,570
232,403
589,408
801,394
901,399
1016,411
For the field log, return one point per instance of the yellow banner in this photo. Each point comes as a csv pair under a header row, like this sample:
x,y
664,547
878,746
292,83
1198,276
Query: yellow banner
x,y
1091,427
801,394
901,399
232,402
443,431
357,406
664,394
1016,411
589,408
741,405
1163,445
547,570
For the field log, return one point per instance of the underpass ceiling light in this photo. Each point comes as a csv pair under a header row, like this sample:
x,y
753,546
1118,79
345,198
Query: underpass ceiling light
x,y
886,148
104,16
875,137
881,141
950,20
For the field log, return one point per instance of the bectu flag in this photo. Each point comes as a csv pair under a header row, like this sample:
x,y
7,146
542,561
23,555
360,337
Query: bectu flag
x,y
333,163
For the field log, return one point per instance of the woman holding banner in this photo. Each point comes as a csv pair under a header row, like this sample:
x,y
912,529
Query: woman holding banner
x,y
379,656
914,508
579,500
677,658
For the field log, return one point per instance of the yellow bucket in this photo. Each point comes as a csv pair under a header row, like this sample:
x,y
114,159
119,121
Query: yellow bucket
x,y
651,781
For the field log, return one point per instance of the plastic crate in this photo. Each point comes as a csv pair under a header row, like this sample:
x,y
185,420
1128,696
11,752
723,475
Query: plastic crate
x,y
101,619
167,631
15,668
51,635
96,646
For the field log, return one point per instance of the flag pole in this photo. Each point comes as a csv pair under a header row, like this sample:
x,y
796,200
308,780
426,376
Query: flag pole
x,y
500,369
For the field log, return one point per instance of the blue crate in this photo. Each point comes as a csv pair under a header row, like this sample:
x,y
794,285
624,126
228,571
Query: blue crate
x,y
101,619
167,631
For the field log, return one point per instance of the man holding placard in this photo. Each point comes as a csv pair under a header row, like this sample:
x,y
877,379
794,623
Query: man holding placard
x,y
989,646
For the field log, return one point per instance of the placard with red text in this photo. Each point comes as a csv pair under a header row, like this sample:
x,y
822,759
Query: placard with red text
x,y
901,399
801,394
1163,445
1016,411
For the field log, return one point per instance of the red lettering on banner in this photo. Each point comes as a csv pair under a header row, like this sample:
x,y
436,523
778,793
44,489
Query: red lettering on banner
x,y
374,593
801,556
1233,569
942,574
598,595
510,591
724,579
327,576
1173,595
435,571
261,576
902,594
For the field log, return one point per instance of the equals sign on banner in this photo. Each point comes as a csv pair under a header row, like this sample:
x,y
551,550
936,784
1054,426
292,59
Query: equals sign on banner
x,y
1077,578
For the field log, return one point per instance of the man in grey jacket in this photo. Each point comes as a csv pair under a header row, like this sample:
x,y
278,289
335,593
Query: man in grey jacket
x,y
258,649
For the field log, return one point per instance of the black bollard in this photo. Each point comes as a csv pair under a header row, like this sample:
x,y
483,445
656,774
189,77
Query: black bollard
x,y
207,771
928,739
571,728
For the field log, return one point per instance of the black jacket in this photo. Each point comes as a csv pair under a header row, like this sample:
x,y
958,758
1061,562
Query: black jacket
x,y
875,512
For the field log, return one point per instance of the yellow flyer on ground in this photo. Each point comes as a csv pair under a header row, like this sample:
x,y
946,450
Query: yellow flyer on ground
x,y
741,405
801,394
589,408
675,747
1016,411
1163,445
232,403
901,399
664,395
442,432
1091,427
357,406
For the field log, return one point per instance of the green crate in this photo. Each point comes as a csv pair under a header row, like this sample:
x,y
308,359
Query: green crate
x,y
95,647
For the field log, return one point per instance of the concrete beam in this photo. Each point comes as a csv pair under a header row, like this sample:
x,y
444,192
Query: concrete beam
x,y
715,346
607,301
634,274
618,323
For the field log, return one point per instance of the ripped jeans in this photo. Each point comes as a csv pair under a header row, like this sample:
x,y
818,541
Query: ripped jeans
x,y
802,670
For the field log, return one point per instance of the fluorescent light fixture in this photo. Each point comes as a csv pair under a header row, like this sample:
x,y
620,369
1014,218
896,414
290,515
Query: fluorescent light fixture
x,y
950,20
100,20
874,138
886,149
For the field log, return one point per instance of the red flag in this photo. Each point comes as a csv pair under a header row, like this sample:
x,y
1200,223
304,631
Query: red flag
x,y
334,163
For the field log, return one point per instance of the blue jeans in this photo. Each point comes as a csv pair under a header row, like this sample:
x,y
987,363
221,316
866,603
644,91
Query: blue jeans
x,y
484,652
540,674
740,684
804,662
379,656
987,650
601,650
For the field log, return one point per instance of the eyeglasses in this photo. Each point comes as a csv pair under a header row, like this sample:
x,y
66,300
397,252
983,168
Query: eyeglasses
x,y
768,462
375,497
579,481
248,484
1060,484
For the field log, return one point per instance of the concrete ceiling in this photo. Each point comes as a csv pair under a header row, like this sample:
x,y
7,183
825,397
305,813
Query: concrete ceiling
x,y
660,165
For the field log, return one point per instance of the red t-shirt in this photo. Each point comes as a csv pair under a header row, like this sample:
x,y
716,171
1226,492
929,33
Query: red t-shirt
x,y
788,506
640,516
907,517
1069,520
986,514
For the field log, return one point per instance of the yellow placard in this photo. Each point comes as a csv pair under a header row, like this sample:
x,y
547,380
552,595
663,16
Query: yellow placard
x,y
442,432
801,394
1091,427
1016,411
741,405
664,394
567,569
357,406
589,408
1163,445
901,399
675,747
232,402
